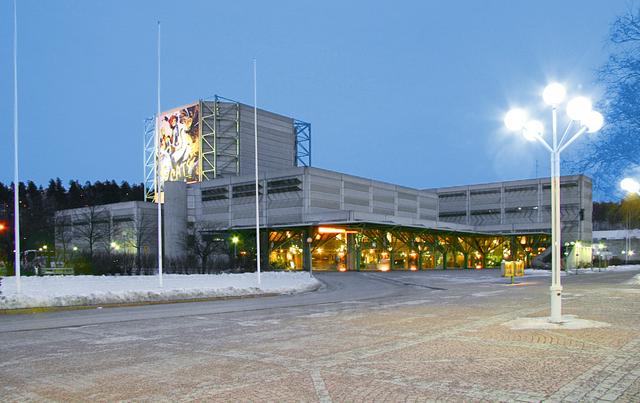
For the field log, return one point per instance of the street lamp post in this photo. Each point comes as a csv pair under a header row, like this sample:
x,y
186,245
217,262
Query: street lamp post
x,y
630,186
235,240
580,113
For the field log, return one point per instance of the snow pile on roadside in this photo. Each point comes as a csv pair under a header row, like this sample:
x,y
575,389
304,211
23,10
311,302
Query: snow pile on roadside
x,y
635,280
97,290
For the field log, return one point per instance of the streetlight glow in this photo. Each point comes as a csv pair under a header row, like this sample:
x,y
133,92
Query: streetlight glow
x,y
630,185
532,130
594,121
554,94
515,119
579,108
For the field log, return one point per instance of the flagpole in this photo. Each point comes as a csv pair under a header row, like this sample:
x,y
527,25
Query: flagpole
x,y
158,192
255,128
16,183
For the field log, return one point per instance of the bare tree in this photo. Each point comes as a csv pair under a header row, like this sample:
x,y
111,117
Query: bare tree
x,y
63,233
616,150
141,231
91,226
203,241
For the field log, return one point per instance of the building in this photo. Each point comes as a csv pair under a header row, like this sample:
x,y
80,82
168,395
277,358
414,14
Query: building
x,y
621,244
520,206
318,218
127,227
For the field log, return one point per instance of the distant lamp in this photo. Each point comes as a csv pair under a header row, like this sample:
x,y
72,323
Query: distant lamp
x,y
630,185
579,108
515,119
235,239
554,94
532,130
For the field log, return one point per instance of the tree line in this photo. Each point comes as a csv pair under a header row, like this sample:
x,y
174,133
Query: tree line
x,y
38,206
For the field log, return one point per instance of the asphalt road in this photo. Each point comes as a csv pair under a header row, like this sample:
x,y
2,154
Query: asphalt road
x,y
358,327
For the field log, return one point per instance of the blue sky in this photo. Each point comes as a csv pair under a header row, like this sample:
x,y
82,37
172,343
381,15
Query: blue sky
x,y
410,92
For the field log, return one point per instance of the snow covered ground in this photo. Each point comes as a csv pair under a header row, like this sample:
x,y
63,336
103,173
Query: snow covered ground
x,y
595,270
97,290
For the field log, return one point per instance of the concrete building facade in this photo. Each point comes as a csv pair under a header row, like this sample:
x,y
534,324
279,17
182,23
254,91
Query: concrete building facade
x,y
520,206
317,217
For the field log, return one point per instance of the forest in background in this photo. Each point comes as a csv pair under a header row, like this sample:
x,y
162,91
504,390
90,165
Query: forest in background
x,y
38,206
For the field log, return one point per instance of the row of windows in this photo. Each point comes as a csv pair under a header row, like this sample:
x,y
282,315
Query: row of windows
x,y
281,185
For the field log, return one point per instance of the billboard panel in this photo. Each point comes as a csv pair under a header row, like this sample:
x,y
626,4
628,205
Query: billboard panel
x,y
178,154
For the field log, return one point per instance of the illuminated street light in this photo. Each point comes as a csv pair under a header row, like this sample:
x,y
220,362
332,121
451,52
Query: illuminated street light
x,y
532,130
630,186
579,109
235,241
554,94
594,121
515,119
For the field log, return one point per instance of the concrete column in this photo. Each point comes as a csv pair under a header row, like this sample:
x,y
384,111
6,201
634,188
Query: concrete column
x,y
351,258
174,227
306,249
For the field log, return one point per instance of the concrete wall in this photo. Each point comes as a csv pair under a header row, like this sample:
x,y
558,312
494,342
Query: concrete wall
x,y
127,225
276,141
302,195
523,205
175,218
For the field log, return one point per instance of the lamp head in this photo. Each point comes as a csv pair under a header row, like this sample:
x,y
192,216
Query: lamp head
x,y
515,119
630,185
532,130
594,121
554,94
579,108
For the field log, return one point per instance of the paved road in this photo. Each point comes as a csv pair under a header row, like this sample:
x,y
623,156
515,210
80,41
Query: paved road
x,y
361,337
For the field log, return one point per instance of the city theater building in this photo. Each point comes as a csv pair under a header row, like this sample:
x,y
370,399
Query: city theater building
x,y
319,219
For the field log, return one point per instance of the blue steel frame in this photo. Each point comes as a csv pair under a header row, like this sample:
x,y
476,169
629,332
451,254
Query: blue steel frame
x,y
303,143
149,158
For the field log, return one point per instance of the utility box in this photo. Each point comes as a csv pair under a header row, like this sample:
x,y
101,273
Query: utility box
x,y
512,268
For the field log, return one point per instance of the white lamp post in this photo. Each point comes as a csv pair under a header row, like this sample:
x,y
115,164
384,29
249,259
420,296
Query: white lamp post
x,y
629,185
585,119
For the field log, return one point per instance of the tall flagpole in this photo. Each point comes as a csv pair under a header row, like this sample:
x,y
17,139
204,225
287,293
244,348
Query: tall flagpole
x,y
255,128
158,192
16,186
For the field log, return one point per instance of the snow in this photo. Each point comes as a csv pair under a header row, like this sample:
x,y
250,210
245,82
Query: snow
x,y
594,270
570,322
97,290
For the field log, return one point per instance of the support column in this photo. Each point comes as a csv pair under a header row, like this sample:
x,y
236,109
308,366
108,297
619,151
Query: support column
x,y
264,249
391,259
306,250
350,261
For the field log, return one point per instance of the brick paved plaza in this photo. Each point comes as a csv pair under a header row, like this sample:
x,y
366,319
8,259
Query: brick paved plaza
x,y
404,342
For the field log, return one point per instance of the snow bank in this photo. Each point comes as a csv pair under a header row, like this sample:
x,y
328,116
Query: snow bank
x,y
97,290
594,270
